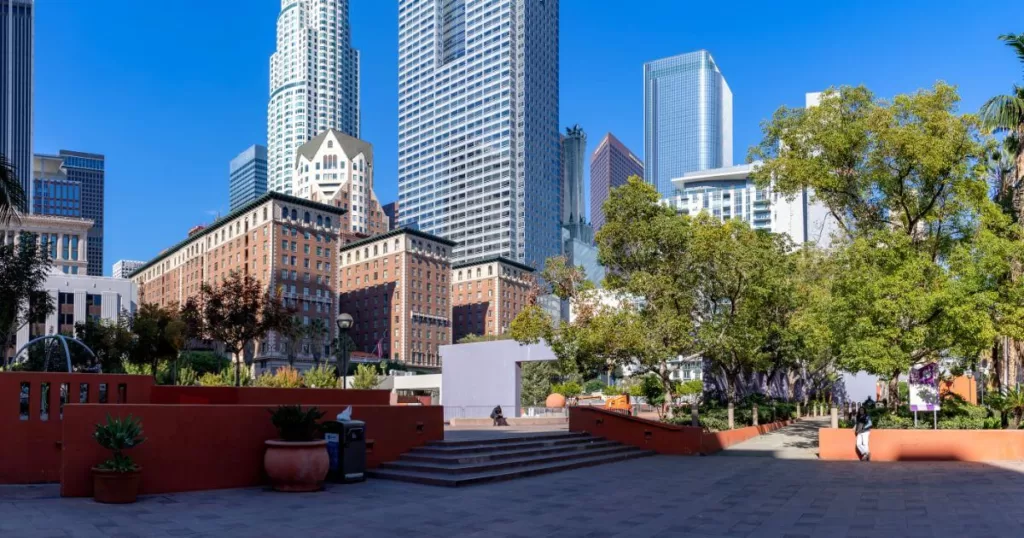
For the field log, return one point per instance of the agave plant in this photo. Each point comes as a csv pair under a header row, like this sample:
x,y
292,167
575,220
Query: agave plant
x,y
295,424
117,435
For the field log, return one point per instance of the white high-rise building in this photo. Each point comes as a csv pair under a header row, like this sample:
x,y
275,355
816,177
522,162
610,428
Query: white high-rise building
x,y
314,82
125,268
478,140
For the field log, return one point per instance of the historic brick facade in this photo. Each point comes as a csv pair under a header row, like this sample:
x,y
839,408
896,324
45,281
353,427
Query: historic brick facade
x,y
487,295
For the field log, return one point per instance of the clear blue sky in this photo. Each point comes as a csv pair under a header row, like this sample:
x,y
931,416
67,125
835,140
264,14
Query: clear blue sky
x,y
171,91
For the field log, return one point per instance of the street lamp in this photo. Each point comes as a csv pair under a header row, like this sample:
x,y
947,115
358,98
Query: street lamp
x,y
344,322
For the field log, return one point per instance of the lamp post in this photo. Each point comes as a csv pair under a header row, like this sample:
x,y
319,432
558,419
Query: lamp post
x,y
344,322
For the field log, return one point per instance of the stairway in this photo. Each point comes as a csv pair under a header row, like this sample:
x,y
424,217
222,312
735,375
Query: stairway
x,y
461,463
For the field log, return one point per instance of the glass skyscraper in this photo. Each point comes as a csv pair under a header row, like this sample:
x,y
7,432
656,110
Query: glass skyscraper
x,y
478,140
687,118
248,176
71,184
16,27
610,166
314,82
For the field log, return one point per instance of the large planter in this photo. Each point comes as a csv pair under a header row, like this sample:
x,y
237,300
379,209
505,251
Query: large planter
x,y
112,487
296,466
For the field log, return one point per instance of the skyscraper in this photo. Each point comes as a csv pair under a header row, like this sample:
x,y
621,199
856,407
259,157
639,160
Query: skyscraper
x,y
611,164
125,268
71,184
16,29
574,145
478,141
314,82
248,176
687,118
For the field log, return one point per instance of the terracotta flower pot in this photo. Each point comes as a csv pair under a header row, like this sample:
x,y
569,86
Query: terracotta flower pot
x,y
297,466
113,487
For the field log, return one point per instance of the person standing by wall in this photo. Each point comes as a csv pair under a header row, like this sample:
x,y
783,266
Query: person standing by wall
x,y
862,427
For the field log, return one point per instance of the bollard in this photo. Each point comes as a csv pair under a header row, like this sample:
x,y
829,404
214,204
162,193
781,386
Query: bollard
x,y
754,414
732,424
694,416
835,417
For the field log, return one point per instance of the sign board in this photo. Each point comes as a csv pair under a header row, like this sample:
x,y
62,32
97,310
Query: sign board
x,y
924,388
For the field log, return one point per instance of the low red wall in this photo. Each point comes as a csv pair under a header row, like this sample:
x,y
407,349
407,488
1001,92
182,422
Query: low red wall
x,y
659,437
267,396
925,445
716,441
638,432
198,447
31,451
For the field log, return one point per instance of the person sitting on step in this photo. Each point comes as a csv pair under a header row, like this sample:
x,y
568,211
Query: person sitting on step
x,y
498,417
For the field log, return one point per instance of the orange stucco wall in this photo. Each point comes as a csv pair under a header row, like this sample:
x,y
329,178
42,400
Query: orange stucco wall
x,y
659,437
32,442
198,447
965,387
267,396
925,445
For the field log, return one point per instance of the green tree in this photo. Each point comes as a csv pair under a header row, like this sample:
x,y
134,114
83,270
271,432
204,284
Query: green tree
x,y
1005,114
292,332
23,270
473,338
321,377
110,341
13,198
158,334
652,390
905,182
365,378
317,332
239,312
536,378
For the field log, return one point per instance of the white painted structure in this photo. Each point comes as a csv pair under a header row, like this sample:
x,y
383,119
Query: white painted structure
x,y
478,376
124,268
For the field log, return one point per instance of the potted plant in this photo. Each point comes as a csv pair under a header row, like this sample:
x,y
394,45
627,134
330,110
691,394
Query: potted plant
x,y
297,461
116,481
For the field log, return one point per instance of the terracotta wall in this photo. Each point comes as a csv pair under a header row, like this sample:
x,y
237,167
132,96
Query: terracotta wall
x,y
713,442
638,432
925,445
966,387
198,447
32,447
659,437
267,396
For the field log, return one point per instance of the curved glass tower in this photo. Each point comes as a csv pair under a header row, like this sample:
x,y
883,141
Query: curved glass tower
x,y
687,118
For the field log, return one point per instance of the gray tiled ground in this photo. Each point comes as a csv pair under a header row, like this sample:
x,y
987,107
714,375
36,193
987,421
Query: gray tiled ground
x,y
659,496
796,441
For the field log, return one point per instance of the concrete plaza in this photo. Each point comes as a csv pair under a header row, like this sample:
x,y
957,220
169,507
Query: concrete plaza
x,y
657,496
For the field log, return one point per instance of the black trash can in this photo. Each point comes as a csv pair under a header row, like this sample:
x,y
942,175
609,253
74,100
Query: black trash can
x,y
346,445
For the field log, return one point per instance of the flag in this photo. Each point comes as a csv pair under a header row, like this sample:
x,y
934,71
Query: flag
x,y
380,348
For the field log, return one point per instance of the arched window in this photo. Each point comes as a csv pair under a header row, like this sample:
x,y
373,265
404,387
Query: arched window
x,y
327,222
284,212
305,217
319,220
295,215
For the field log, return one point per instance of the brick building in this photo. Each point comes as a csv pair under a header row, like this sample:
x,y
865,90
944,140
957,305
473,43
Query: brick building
x,y
287,243
487,295
396,287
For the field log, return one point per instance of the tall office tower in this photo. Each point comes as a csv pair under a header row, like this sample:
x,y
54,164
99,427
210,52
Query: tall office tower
x,y
248,176
687,118
611,164
391,210
314,82
70,184
16,29
478,141
125,268
574,145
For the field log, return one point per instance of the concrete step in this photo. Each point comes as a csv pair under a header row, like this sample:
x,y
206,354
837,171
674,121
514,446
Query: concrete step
x,y
506,452
507,473
484,466
507,439
519,443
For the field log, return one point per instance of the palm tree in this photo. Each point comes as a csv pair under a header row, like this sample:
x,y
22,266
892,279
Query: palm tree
x,y
292,331
316,331
12,196
1005,114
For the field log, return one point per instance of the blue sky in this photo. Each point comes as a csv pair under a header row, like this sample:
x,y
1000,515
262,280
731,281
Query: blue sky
x,y
171,91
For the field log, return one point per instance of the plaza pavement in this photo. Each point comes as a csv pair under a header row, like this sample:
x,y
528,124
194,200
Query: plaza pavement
x,y
737,495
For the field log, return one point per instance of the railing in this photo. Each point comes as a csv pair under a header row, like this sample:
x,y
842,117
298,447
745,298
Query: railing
x,y
484,411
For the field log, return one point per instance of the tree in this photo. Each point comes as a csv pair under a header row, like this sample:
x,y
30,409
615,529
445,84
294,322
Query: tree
x,y
110,342
652,390
158,334
23,271
292,332
239,312
13,198
905,182
536,378
1005,114
365,378
316,332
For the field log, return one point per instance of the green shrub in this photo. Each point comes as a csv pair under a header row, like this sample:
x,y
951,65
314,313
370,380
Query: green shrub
x,y
594,385
611,390
187,376
118,435
294,424
321,377
569,389
204,361
283,378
